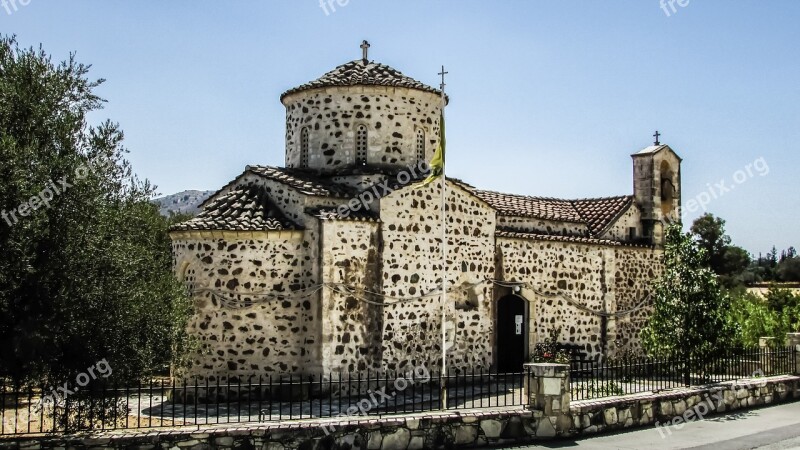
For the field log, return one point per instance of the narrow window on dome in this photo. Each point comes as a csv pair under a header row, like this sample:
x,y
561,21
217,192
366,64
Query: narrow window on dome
x,y
420,145
304,148
361,145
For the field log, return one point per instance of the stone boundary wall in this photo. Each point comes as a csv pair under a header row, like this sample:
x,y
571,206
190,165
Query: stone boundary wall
x,y
442,430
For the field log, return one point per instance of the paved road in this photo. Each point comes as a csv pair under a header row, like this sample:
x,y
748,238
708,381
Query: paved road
x,y
771,428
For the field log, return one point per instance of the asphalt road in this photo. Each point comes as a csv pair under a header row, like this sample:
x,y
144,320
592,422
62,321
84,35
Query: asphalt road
x,y
770,428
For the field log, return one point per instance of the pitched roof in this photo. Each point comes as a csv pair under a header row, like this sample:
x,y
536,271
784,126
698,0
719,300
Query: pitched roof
x,y
599,213
527,206
304,181
245,208
596,213
653,149
361,73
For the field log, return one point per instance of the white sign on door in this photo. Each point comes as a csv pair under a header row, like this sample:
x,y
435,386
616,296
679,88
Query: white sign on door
x,y
518,324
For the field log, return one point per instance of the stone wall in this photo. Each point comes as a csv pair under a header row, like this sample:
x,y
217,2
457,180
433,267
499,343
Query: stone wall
x,y
248,335
634,271
542,226
620,229
411,266
392,117
351,326
599,277
552,267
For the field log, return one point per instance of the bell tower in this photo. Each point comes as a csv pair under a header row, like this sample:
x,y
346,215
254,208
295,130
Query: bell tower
x,y
657,188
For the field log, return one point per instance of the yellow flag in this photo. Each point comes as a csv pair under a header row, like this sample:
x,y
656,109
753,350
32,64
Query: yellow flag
x,y
437,163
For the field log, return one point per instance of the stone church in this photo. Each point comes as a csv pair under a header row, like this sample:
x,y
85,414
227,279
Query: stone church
x,y
312,268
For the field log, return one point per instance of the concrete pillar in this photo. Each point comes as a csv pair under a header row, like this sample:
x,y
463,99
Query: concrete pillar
x,y
793,341
548,388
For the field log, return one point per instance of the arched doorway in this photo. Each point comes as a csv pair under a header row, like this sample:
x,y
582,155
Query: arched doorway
x,y
512,332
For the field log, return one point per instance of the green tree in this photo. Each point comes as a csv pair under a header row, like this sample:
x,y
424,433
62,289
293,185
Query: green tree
x,y
726,260
85,274
690,312
773,315
789,269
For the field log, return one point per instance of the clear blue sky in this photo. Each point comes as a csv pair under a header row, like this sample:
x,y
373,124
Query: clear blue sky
x,y
548,98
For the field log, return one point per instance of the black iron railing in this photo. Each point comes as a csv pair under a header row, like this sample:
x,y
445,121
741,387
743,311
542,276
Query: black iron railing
x,y
595,378
205,401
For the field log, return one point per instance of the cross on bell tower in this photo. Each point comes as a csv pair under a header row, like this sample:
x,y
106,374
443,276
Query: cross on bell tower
x,y
365,51
657,135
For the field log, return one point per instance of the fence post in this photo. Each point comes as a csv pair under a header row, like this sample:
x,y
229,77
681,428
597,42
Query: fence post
x,y
765,345
548,391
793,341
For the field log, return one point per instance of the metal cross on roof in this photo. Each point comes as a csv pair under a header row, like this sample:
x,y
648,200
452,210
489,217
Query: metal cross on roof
x,y
365,51
657,135
442,73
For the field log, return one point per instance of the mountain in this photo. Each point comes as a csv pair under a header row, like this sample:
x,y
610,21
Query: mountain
x,y
186,202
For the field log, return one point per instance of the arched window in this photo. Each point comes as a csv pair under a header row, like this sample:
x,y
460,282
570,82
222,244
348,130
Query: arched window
x,y
361,145
667,189
304,148
420,145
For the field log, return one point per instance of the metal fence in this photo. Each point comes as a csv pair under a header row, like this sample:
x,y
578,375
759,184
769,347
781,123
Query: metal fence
x,y
207,401
598,378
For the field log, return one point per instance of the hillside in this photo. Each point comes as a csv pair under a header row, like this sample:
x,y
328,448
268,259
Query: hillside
x,y
186,202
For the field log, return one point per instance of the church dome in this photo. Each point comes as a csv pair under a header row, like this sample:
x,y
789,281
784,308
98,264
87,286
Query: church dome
x,y
361,117
363,73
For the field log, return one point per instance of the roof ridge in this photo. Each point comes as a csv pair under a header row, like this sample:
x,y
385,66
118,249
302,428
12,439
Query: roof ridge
x,y
357,72
524,195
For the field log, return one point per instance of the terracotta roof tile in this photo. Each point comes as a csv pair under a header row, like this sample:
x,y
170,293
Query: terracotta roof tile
x,y
596,213
245,208
527,206
359,73
599,213
304,181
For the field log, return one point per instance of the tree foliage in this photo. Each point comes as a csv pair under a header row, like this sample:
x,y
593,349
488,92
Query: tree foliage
x,y
690,310
85,275
728,261
773,315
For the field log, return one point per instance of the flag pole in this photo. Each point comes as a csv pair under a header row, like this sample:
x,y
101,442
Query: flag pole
x,y
443,394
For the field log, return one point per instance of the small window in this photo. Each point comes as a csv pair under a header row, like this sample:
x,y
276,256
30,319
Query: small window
x,y
632,233
304,148
420,145
361,145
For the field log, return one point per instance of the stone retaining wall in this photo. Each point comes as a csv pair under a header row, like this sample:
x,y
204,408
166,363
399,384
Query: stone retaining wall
x,y
446,430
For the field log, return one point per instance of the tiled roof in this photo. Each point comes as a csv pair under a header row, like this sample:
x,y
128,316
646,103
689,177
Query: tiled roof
x,y
245,208
599,213
304,181
526,206
560,238
359,73
327,213
596,213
